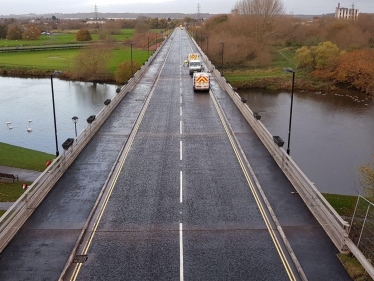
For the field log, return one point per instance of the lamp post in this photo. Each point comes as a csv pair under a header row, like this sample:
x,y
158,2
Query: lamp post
x,y
54,111
75,120
132,70
206,44
222,56
289,70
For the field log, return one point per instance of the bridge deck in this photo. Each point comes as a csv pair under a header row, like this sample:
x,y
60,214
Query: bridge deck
x,y
224,236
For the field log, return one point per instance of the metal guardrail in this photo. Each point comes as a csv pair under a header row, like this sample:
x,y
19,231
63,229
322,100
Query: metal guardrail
x,y
13,219
333,224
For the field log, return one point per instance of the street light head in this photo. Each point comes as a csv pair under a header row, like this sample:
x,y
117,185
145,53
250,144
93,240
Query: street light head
x,y
57,72
289,70
220,42
75,119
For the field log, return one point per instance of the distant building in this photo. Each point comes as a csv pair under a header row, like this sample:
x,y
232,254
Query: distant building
x,y
95,21
346,13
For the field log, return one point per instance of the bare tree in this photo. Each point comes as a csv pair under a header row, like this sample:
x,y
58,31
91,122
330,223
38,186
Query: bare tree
x,y
91,63
261,16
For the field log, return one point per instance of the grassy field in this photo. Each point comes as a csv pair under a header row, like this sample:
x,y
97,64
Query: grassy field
x,y
281,58
64,59
63,37
18,157
47,61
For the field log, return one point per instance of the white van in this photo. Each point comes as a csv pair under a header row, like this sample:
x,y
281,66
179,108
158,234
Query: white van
x,y
194,66
201,81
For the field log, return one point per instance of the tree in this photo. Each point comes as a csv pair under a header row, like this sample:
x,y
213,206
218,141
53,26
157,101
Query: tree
x,y
14,32
162,23
367,179
304,58
91,63
83,35
261,15
3,31
124,73
32,32
141,27
356,68
111,27
317,57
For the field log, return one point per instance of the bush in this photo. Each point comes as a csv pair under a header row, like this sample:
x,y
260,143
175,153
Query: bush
x,y
124,73
83,35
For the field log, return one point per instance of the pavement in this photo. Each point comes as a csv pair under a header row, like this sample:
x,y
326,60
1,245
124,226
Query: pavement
x,y
23,176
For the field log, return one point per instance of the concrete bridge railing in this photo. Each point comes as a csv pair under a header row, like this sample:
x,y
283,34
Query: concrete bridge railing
x,y
333,224
13,219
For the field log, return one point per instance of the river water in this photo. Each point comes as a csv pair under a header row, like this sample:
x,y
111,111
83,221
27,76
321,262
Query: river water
x,y
332,134
23,99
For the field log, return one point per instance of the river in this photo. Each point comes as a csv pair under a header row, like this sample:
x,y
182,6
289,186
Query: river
x,y
332,134
23,99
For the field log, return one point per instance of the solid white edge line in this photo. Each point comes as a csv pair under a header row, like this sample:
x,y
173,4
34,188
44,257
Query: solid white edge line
x,y
181,273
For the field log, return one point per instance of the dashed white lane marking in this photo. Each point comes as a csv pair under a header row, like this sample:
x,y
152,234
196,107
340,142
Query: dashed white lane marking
x,y
181,251
181,187
181,149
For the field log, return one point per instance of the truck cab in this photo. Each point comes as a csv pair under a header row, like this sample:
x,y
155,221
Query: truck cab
x,y
201,81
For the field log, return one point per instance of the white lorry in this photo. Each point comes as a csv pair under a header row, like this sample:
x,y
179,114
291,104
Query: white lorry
x,y
201,81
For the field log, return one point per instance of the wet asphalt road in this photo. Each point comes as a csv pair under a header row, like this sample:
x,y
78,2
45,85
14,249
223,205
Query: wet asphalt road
x,y
180,173
224,235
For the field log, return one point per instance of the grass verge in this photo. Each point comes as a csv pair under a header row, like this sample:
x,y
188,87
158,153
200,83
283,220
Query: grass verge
x,y
354,268
18,157
11,191
345,206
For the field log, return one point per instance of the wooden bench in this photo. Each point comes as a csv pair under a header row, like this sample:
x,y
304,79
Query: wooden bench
x,y
4,176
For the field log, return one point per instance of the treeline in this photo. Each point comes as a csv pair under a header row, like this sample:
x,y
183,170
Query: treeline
x,y
13,29
335,50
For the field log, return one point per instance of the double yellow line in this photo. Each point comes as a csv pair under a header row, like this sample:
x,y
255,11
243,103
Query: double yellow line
x,y
254,192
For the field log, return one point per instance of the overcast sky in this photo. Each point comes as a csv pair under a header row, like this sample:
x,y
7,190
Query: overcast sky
x,y
309,7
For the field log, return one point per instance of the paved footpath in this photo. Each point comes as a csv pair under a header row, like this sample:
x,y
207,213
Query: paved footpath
x,y
23,176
